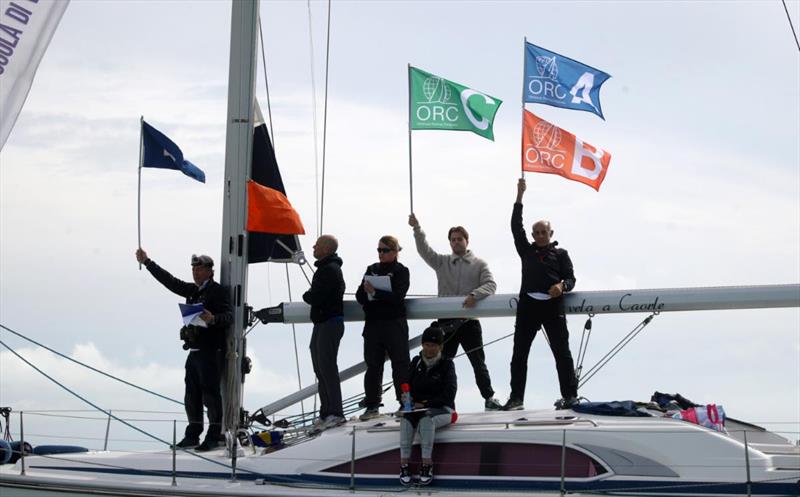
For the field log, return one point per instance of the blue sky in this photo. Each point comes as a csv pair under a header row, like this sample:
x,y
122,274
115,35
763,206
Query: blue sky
x,y
702,119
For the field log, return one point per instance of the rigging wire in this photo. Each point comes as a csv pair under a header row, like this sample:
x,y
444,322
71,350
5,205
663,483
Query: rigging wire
x,y
112,416
325,120
266,80
89,367
314,114
794,33
294,339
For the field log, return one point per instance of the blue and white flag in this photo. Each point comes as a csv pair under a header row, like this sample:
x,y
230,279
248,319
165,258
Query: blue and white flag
x,y
190,313
161,152
553,79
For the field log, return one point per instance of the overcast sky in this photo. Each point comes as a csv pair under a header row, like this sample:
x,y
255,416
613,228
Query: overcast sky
x,y
702,118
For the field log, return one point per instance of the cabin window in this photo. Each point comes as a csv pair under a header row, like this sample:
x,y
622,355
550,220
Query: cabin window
x,y
485,459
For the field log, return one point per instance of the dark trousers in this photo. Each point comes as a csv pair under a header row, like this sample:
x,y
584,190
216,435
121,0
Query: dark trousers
x,y
324,350
382,338
531,315
470,337
203,374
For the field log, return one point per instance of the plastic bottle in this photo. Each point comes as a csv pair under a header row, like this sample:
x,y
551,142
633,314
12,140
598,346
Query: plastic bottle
x,y
405,397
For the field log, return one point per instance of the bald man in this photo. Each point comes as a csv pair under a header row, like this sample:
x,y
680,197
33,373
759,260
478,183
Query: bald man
x,y
546,275
325,297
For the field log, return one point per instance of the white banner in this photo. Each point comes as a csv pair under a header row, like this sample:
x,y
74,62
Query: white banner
x,y
26,27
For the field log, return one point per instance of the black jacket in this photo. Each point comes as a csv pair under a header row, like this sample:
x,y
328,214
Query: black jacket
x,y
386,305
213,296
434,387
327,289
541,267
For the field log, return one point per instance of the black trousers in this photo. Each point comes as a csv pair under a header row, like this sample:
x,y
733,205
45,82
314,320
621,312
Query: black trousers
x,y
382,338
470,337
531,315
324,347
203,375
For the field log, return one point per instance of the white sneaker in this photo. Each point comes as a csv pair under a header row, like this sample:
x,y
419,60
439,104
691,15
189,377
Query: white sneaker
x,y
332,421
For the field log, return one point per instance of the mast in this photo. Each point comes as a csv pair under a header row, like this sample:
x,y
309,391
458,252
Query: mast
x,y
238,155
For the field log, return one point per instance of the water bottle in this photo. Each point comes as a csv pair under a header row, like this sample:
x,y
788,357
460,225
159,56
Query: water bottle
x,y
405,397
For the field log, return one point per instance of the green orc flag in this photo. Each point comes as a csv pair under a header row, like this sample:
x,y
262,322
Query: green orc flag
x,y
436,103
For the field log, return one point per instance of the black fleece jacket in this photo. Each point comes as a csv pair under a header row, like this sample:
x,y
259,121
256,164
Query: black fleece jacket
x,y
385,305
327,289
542,267
213,296
433,387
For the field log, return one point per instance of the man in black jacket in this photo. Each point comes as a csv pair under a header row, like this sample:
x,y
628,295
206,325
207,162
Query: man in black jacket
x,y
546,275
325,297
205,345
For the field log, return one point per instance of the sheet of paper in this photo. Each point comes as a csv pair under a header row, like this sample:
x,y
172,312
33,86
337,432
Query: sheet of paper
x,y
379,282
539,296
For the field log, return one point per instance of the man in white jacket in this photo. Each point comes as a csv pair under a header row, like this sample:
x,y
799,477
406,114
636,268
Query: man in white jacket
x,y
461,274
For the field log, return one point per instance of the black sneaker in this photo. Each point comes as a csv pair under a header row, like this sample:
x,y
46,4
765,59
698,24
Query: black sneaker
x,y
492,404
565,403
370,413
405,475
188,443
513,405
426,474
208,444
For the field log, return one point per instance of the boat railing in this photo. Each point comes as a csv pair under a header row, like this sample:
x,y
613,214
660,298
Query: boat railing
x,y
561,437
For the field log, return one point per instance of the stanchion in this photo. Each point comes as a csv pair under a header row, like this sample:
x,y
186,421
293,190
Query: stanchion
x,y
353,462
563,459
21,445
747,464
174,449
108,428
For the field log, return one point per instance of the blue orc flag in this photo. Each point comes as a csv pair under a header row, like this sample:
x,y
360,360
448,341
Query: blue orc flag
x,y
161,152
556,80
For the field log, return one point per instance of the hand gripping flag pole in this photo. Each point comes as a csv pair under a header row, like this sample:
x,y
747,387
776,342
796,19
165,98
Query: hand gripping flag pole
x,y
139,192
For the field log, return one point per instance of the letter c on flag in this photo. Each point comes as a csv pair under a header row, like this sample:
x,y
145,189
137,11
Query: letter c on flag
x,y
483,123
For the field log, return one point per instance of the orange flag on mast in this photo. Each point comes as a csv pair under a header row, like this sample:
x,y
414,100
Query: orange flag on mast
x,y
546,148
269,211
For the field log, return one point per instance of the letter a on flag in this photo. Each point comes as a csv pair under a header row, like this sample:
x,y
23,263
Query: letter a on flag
x,y
553,79
546,148
437,103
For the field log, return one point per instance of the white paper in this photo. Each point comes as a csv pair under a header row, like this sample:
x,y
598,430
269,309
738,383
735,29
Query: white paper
x,y
539,296
379,282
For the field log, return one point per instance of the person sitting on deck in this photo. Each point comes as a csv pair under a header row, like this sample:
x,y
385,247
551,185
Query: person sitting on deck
x,y
432,385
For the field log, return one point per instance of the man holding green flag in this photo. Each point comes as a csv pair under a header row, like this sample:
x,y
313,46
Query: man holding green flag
x,y
436,103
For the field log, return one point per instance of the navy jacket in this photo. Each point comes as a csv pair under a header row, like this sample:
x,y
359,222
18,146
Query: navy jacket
x,y
327,289
434,387
386,305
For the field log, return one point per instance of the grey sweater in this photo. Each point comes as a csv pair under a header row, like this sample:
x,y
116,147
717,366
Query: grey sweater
x,y
457,275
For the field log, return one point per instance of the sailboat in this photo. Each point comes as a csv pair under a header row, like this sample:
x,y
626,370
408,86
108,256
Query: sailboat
x,y
526,452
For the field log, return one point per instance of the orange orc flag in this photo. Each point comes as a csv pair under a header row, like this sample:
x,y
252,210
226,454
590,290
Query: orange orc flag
x,y
546,148
269,211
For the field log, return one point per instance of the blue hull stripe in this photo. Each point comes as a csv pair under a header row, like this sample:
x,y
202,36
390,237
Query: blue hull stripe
x,y
650,487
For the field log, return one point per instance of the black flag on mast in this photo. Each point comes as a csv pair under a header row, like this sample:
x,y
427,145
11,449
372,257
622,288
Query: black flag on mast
x,y
265,247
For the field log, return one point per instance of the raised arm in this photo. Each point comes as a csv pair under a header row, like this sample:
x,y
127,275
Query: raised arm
x,y
173,284
425,251
517,230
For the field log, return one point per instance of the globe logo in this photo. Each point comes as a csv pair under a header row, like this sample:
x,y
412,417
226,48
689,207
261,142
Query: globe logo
x,y
546,66
436,91
547,136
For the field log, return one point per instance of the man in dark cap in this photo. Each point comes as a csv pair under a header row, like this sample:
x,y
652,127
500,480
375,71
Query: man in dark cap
x,y
205,344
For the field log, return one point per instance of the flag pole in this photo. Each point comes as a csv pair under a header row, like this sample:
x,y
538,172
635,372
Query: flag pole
x,y
522,123
410,173
139,194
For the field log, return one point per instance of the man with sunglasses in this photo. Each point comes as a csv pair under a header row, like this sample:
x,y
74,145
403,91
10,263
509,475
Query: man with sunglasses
x,y
205,345
464,275
546,275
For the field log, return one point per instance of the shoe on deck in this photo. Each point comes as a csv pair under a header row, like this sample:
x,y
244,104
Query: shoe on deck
x,y
493,404
332,421
370,413
208,444
405,475
188,443
513,405
426,474
565,403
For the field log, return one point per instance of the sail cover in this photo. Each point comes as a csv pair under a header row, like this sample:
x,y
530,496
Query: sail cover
x,y
27,28
264,247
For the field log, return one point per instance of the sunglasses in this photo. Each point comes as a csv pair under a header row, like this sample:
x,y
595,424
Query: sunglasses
x,y
382,250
